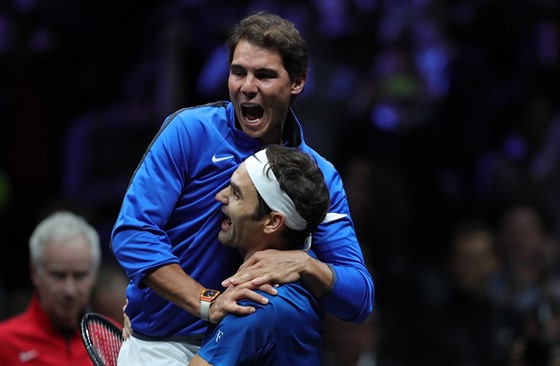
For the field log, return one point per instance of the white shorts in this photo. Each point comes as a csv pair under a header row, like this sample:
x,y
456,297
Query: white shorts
x,y
138,352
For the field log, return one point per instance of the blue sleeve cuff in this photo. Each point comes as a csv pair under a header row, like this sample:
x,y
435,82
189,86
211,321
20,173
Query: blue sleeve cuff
x,y
351,295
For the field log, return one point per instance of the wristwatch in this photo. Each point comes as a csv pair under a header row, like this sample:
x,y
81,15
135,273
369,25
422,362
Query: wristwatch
x,y
207,297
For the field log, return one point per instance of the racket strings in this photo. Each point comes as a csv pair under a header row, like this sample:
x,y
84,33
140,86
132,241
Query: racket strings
x,y
105,341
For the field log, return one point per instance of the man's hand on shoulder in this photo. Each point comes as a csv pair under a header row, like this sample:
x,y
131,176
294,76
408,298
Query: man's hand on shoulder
x,y
270,267
227,302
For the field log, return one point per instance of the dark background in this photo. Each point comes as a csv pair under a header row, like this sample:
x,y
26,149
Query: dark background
x,y
453,105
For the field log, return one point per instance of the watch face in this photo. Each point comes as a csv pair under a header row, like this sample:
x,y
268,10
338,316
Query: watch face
x,y
209,293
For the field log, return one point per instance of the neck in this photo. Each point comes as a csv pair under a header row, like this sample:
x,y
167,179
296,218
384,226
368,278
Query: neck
x,y
248,253
275,138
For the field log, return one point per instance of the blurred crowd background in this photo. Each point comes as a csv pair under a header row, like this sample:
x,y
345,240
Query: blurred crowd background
x,y
442,117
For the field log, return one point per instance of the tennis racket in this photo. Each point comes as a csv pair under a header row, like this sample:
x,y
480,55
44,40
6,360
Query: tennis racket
x,y
102,339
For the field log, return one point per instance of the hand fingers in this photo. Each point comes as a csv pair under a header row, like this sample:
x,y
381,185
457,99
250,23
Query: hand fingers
x,y
269,289
262,280
237,280
237,309
242,310
251,295
227,282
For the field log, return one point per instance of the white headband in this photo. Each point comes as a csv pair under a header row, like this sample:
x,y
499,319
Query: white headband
x,y
268,187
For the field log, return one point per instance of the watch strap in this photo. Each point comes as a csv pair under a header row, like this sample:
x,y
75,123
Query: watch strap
x,y
207,297
204,310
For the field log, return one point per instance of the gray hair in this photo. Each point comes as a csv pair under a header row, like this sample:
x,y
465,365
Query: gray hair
x,y
62,226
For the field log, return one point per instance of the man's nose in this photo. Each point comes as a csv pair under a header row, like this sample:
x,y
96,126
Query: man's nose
x,y
221,196
70,285
249,87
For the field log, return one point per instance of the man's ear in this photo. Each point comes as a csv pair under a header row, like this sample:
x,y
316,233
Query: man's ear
x,y
274,223
299,83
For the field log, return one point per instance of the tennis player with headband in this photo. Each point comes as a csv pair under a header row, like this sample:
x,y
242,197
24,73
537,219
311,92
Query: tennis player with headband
x,y
275,200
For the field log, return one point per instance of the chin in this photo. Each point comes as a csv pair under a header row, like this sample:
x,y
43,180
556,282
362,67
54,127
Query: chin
x,y
256,134
223,239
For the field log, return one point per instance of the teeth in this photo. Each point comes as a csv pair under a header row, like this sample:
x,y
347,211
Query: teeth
x,y
252,112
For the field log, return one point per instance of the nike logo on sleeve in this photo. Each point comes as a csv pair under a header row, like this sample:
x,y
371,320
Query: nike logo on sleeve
x,y
216,159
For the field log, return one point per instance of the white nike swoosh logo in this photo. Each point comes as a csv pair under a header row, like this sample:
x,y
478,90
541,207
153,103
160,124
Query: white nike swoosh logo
x,y
28,355
215,159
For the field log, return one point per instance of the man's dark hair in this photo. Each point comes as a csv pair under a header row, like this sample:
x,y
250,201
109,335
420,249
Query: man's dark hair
x,y
274,33
303,181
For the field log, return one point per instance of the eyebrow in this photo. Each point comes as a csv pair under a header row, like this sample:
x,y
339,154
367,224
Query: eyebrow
x,y
267,70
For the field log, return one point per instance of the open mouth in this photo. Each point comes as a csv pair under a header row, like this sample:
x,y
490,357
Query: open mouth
x,y
252,113
226,223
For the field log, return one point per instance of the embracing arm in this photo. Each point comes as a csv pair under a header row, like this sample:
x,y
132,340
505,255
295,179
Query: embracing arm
x,y
172,283
283,266
344,291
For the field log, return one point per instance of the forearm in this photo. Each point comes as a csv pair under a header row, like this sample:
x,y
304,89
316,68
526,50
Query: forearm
x,y
199,361
317,277
173,284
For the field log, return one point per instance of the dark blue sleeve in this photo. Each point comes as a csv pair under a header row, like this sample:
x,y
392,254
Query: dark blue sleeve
x,y
351,296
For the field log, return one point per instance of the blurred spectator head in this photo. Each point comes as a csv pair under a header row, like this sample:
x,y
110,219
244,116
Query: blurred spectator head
x,y
474,259
65,256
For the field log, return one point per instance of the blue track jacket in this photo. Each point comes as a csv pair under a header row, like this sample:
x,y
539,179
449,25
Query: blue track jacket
x,y
169,215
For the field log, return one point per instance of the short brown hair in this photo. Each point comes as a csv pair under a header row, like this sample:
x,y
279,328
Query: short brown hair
x,y
301,178
275,33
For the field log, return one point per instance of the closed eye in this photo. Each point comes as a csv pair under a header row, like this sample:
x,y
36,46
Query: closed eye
x,y
235,190
266,74
237,71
